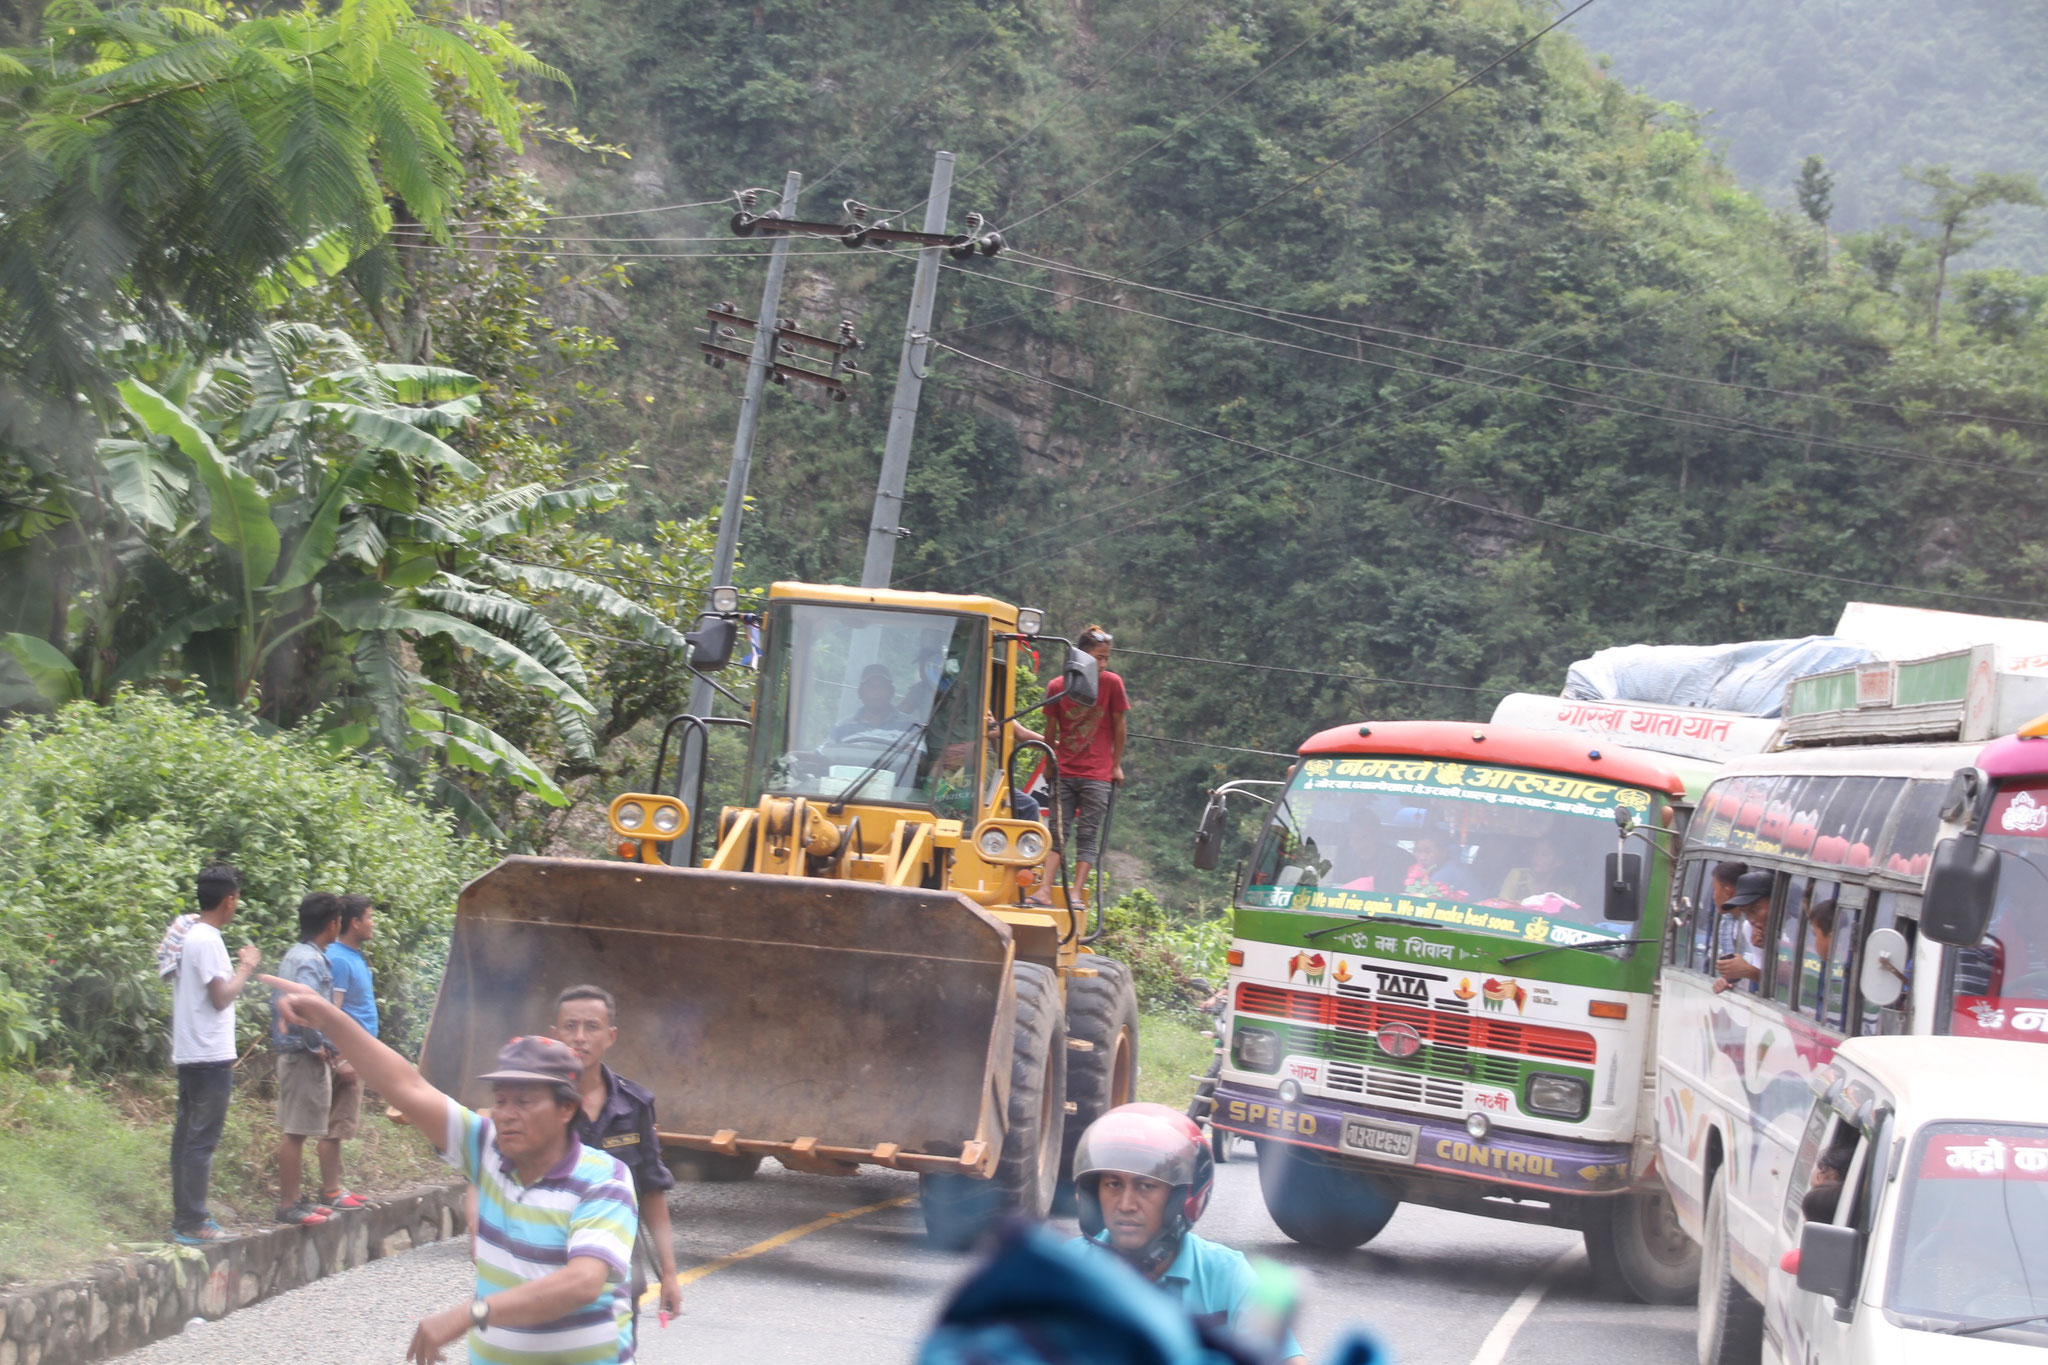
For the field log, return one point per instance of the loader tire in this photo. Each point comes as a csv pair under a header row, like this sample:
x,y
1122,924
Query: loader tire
x,y
960,1209
1102,1013
690,1166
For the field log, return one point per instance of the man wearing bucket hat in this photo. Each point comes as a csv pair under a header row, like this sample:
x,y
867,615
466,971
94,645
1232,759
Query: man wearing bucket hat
x,y
555,1219
1142,1177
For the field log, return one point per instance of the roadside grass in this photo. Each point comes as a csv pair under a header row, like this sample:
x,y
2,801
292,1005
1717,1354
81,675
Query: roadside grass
x,y
1171,1053
84,1164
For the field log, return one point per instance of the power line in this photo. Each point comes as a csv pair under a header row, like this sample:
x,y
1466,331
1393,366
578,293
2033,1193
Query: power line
x,y
1198,744
1288,318
1738,426
614,213
1265,472
1310,672
1501,512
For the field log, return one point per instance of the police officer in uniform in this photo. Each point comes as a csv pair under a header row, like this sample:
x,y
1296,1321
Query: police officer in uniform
x,y
617,1118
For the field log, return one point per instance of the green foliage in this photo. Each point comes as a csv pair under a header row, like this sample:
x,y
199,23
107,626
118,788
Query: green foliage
x,y
1172,1051
161,159
1871,87
1176,964
76,1175
110,811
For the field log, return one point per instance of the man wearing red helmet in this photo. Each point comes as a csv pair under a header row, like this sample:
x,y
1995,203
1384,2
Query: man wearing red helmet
x,y
1142,1176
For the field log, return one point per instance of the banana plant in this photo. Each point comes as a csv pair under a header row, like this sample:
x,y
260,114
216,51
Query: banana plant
x,y
293,501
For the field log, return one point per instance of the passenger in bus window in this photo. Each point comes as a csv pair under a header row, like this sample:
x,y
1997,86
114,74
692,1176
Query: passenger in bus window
x,y
1546,875
1749,908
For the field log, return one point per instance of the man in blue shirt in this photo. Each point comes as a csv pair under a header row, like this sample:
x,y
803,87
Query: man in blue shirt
x,y
1142,1176
355,990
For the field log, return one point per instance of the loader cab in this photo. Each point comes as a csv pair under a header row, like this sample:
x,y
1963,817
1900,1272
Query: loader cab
x,y
883,706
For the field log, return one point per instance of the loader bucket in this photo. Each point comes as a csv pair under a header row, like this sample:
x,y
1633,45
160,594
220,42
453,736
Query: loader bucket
x,y
825,1022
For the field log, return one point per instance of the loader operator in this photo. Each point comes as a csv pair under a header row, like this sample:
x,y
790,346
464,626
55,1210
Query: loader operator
x,y
1142,1176
556,1219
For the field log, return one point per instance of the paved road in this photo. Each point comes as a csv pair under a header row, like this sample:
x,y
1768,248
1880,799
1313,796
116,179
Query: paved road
x,y
863,1289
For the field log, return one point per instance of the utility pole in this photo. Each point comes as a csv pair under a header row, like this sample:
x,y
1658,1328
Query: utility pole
x,y
884,528
760,364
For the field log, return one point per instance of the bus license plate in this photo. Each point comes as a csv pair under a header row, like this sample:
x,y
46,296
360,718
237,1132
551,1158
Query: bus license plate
x,y
1387,1141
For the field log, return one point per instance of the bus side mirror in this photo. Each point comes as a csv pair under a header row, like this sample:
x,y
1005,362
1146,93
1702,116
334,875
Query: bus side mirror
x,y
1083,673
711,643
1962,887
1624,902
1829,1259
1209,836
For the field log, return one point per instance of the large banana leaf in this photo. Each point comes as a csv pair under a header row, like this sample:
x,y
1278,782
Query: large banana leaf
x,y
239,514
498,652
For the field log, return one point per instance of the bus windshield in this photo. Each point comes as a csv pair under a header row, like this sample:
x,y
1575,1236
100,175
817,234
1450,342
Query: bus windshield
x,y
1973,1235
1499,850
2001,986
872,705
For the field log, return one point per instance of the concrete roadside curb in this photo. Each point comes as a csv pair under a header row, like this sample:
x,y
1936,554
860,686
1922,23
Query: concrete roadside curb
x,y
120,1304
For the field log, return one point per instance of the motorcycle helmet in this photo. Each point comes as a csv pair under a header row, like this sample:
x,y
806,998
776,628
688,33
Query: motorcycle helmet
x,y
1157,1143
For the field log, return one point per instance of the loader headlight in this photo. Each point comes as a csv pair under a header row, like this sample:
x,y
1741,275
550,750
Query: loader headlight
x,y
994,841
639,816
1030,844
1029,620
1009,843
725,601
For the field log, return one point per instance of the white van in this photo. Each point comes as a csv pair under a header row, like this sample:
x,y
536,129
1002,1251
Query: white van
x,y
1934,1245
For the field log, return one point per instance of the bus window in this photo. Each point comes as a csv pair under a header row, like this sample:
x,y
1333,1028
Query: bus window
x,y
1821,908
1832,927
1687,921
1785,957
1884,914
1910,848
1843,836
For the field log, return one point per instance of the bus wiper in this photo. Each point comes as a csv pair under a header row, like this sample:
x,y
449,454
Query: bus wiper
x,y
852,789
1372,919
1593,946
1965,1329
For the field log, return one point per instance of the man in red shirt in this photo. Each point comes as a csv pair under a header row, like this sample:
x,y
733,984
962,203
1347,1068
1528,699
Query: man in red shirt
x,y
1089,743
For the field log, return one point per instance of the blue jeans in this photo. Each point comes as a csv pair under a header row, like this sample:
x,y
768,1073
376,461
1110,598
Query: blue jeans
x,y
203,1092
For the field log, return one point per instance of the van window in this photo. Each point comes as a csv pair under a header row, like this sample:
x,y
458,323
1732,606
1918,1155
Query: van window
x,y
1972,1237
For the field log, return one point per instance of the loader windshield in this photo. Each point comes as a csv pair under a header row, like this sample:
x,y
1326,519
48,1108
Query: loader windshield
x,y
889,700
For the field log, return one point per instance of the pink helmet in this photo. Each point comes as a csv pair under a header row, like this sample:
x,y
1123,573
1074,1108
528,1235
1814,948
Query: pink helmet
x,y
1155,1142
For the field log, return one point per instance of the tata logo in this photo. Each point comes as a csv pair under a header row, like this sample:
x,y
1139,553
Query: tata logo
x,y
1403,987
1399,1040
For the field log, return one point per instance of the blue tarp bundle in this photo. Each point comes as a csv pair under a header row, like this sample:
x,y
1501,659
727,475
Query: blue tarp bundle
x,y
1748,678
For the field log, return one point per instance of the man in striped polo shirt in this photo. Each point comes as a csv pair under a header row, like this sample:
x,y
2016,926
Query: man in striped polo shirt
x,y
555,1219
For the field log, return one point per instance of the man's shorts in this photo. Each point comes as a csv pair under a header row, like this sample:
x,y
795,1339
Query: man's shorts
x,y
1082,802
305,1093
345,1113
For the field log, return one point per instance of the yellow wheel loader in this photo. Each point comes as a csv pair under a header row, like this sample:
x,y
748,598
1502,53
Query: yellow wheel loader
x,y
850,975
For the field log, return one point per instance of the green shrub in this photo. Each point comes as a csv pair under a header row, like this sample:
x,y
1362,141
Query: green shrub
x,y
107,815
1175,964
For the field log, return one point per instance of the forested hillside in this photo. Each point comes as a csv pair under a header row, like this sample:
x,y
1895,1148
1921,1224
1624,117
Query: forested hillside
x,y
1366,359
1870,86
1527,376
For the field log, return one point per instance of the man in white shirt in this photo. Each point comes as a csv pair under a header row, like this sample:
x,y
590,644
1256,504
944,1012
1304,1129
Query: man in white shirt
x,y
203,993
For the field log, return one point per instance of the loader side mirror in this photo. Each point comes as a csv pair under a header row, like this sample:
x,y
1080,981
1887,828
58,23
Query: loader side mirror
x,y
1209,836
1624,902
1082,677
1962,887
711,643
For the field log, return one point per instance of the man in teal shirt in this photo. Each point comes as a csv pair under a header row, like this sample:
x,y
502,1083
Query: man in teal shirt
x,y
355,990
1142,1176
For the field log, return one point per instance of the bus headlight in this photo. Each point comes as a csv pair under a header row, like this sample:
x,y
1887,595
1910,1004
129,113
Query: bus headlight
x,y
1255,1049
1562,1097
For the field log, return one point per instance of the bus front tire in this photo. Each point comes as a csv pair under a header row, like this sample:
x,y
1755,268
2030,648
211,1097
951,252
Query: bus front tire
x,y
1731,1323
1636,1246
1317,1203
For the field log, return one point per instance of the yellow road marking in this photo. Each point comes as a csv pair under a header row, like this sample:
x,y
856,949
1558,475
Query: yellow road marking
x,y
780,1239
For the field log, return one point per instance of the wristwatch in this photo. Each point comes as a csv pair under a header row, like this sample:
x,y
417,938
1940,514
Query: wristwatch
x,y
479,1314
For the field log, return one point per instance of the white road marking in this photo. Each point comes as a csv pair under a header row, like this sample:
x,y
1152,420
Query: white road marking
x,y
1494,1349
